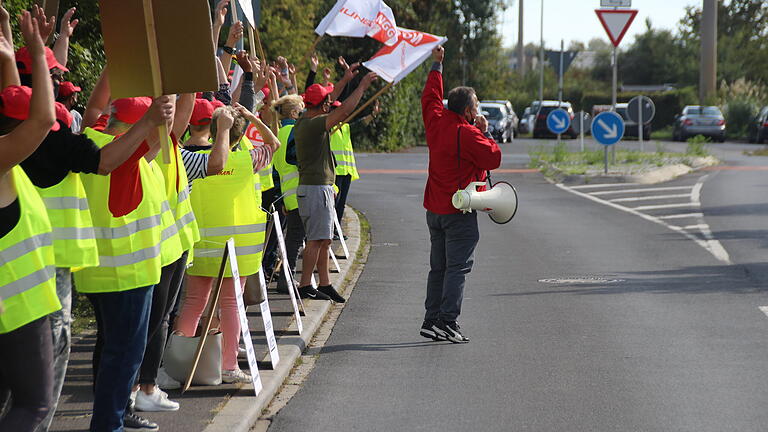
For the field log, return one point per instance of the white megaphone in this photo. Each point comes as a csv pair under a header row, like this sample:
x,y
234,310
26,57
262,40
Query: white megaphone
x,y
500,201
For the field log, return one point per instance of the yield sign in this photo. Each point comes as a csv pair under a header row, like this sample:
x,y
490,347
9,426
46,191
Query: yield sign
x,y
616,22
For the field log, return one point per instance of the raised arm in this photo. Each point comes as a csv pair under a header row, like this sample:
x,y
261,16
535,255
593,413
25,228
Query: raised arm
x,y
270,140
432,97
9,74
220,150
67,27
348,106
349,74
27,136
98,102
184,107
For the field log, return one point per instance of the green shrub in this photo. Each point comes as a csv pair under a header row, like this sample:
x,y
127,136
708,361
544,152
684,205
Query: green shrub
x,y
738,115
696,146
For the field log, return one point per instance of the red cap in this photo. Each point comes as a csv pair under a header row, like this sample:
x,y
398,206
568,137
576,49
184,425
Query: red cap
x,y
66,89
16,101
217,103
266,91
130,110
201,113
101,123
63,115
24,61
316,94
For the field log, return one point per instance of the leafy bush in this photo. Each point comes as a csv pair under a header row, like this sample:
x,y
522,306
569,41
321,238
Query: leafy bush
x,y
738,115
696,146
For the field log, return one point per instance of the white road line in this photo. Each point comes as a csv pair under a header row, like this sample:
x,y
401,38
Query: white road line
x,y
664,206
659,189
764,309
693,227
593,186
648,198
711,245
682,216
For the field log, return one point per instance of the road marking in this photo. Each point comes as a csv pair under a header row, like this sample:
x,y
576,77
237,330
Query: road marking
x,y
423,171
664,206
647,198
709,243
697,226
682,216
659,189
592,186
764,309
736,168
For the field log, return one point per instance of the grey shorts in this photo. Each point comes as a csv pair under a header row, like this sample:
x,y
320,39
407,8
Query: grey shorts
x,y
316,208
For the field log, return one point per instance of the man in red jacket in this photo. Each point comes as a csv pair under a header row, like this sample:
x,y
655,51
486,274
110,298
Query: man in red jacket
x,y
460,151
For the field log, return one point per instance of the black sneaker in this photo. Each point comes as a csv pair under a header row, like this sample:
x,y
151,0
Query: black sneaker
x,y
331,292
430,330
311,293
132,422
452,331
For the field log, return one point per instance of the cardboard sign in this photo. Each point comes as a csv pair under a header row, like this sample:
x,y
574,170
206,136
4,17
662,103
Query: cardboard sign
x,y
266,317
244,329
287,270
184,45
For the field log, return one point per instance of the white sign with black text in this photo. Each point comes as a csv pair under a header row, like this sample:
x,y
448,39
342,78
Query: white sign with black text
x,y
286,270
266,316
244,328
615,3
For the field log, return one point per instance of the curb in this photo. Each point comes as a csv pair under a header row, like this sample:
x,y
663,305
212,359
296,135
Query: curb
x,y
660,175
241,412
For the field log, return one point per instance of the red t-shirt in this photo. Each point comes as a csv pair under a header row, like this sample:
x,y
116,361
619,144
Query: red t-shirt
x,y
445,129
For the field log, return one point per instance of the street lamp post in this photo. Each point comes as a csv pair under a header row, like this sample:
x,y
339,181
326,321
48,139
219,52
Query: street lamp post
x,y
541,56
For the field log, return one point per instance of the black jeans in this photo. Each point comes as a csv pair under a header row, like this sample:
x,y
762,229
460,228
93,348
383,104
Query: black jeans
x,y
268,198
343,183
163,300
294,237
26,369
454,238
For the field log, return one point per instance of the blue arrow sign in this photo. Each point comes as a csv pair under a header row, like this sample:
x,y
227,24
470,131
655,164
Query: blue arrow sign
x,y
558,121
608,128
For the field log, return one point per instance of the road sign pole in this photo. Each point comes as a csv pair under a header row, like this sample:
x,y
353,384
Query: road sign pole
x,y
613,98
541,57
605,150
581,130
560,84
640,126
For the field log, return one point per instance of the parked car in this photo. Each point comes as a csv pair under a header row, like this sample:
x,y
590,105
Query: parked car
x,y
499,124
512,115
630,126
699,120
540,128
524,124
758,129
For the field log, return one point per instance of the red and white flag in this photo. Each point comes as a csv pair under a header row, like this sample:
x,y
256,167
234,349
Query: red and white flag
x,y
393,63
360,18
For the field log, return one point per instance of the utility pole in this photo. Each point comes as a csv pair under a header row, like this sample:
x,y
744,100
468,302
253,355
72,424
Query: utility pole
x,y
541,56
708,73
560,83
520,45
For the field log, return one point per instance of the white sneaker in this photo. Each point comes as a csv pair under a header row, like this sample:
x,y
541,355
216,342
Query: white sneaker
x,y
165,381
235,376
157,401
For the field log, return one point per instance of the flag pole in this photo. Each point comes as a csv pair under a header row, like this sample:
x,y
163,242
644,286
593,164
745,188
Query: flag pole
x,y
362,107
311,49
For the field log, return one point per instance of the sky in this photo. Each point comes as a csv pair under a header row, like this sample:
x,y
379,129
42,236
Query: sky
x,y
575,20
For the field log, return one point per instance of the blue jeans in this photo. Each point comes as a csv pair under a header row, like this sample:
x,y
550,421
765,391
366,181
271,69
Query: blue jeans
x,y
454,238
122,319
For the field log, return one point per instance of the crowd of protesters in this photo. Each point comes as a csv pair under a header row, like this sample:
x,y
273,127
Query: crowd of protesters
x,y
87,205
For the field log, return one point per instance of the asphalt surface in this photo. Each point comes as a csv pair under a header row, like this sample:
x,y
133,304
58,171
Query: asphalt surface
x,y
646,330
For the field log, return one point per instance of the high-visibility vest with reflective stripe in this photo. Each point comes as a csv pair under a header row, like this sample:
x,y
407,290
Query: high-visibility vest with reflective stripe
x,y
265,178
225,206
74,242
341,147
170,245
27,261
246,144
289,174
129,245
174,174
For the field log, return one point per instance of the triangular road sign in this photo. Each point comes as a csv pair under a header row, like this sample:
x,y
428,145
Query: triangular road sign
x,y
616,22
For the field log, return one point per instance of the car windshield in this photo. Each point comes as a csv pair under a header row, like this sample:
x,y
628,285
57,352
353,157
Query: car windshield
x,y
494,113
622,112
705,111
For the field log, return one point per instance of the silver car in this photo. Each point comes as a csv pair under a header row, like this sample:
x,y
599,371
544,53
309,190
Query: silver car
x,y
699,120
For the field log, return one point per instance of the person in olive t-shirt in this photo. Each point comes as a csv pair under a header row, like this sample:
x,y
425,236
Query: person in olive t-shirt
x,y
317,172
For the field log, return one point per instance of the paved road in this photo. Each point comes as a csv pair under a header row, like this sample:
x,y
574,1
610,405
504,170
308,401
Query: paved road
x,y
659,335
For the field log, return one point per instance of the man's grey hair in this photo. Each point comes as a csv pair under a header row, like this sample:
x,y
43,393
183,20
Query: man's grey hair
x,y
460,98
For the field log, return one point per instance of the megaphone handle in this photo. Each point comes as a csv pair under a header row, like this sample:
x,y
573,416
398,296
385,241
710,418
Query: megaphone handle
x,y
488,177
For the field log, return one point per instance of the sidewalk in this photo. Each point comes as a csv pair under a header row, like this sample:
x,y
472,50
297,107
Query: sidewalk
x,y
227,407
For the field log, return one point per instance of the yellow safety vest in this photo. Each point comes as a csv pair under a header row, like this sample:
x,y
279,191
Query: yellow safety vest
x,y
246,144
170,243
225,206
289,174
129,246
27,261
173,174
341,147
74,242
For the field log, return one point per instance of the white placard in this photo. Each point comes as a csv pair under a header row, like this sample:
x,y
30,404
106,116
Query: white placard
x,y
341,235
615,3
278,229
335,261
244,328
266,316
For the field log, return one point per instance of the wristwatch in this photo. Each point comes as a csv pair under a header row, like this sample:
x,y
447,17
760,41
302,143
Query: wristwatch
x,y
228,50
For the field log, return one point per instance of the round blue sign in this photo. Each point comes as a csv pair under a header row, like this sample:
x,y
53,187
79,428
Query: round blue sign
x,y
558,121
608,128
